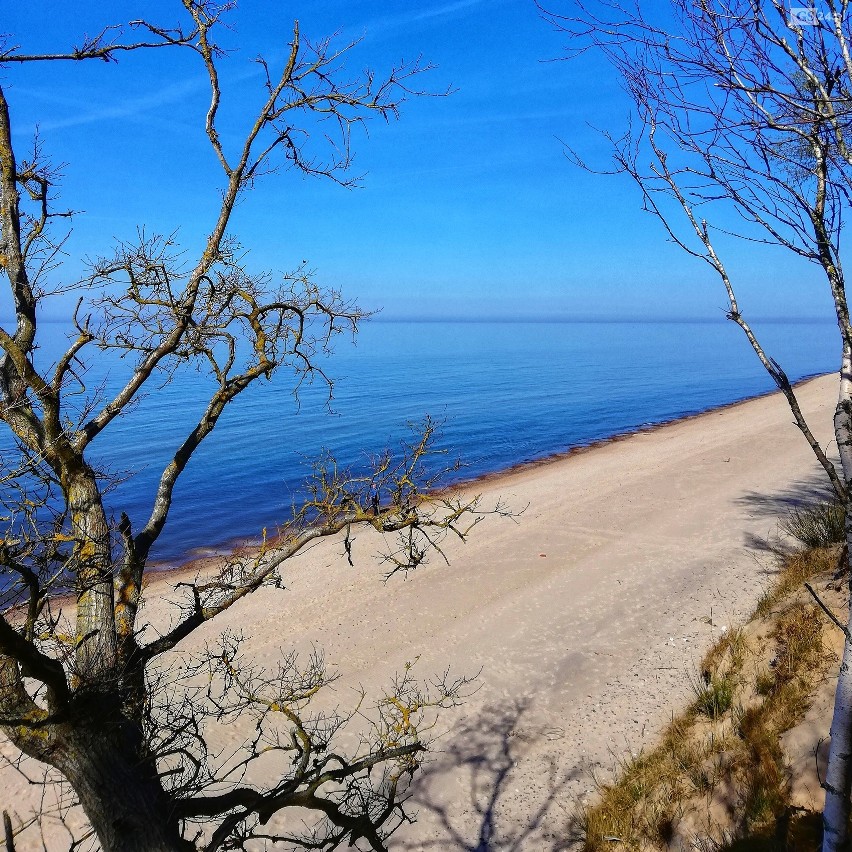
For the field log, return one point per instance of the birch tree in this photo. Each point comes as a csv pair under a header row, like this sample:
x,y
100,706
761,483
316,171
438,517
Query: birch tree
x,y
743,113
82,690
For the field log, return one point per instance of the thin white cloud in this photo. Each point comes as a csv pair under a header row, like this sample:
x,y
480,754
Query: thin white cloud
x,y
123,109
443,11
128,108
84,113
381,26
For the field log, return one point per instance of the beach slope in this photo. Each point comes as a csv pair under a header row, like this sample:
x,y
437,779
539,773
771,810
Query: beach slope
x,y
585,616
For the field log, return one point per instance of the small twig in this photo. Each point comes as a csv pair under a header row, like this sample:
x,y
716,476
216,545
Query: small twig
x,y
829,613
816,760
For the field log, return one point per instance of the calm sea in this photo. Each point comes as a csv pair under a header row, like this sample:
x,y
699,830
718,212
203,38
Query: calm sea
x,y
506,393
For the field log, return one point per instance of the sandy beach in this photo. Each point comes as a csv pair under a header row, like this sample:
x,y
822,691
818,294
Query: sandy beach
x,y
585,615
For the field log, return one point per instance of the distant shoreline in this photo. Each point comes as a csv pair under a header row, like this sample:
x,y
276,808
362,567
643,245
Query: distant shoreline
x,y
202,557
551,458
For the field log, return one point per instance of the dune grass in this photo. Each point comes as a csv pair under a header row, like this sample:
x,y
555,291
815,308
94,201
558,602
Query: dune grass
x,y
717,778
820,525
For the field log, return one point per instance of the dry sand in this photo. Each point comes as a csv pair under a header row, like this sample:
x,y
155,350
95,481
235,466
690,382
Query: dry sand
x,y
586,616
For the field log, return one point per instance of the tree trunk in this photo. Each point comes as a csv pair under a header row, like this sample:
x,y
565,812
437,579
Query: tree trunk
x,y
838,776
120,792
95,597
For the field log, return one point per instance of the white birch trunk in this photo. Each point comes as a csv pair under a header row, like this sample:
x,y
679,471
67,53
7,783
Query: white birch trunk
x,y
838,777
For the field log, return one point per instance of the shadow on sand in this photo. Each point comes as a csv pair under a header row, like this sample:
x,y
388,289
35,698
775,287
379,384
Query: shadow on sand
x,y
490,809
472,796
812,489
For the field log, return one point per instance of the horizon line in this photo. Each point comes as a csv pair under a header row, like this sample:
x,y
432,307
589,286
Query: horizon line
x,y
380,317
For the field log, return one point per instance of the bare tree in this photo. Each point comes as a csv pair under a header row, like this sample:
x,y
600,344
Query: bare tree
x,y
82,690
744,108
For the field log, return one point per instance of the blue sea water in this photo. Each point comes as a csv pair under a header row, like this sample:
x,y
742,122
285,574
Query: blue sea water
x,y
507,393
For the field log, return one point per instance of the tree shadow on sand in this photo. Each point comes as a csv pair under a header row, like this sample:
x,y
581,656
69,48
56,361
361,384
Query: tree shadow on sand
x,y
493,810
814,488
777,506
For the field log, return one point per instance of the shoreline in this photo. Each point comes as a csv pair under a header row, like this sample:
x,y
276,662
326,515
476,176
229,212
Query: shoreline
x,y
617,437
583,621
249,545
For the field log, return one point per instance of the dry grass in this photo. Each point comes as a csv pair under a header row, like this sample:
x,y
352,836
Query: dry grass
x,y
796,570
820,525
643,805
799,652
719,765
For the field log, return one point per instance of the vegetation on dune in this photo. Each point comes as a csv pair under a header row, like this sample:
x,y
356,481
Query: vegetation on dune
x,y
820,525
718,777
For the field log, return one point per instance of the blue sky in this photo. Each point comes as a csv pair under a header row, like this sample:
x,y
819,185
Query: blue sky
x,y
468,208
